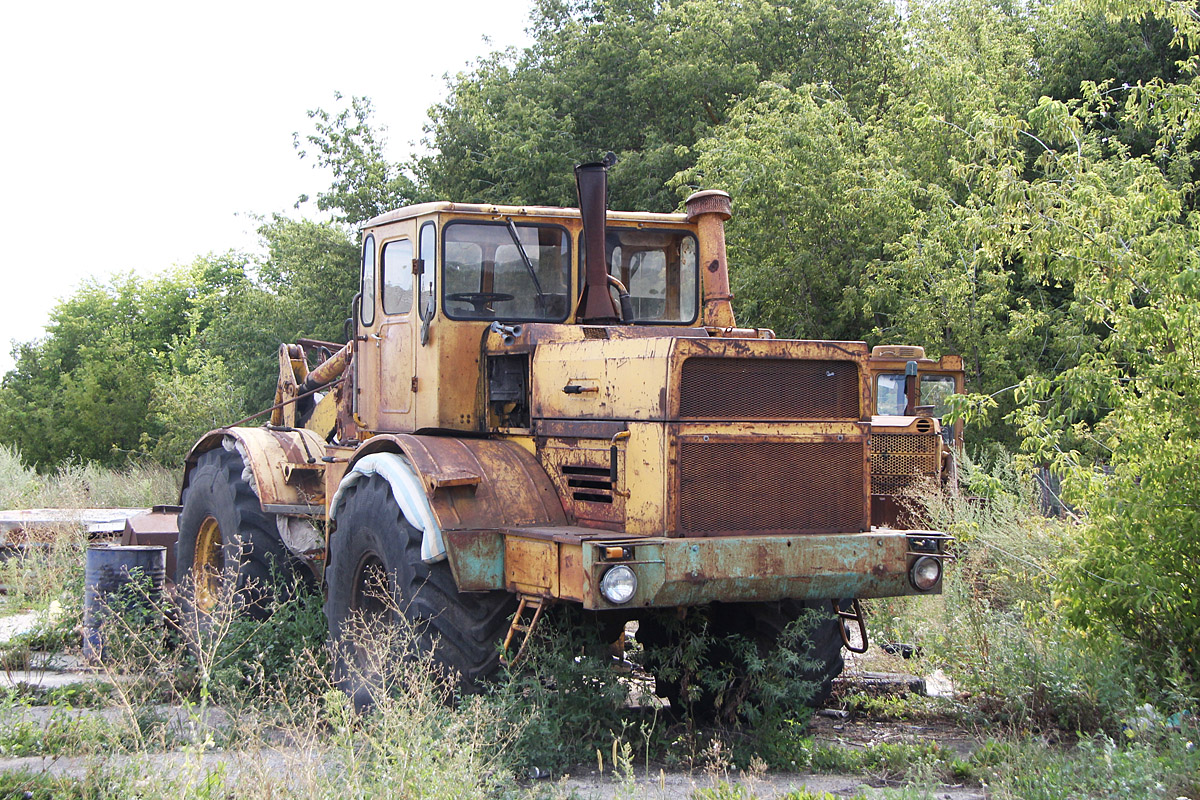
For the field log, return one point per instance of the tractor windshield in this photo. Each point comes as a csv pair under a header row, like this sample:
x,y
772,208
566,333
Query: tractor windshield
x,y
487,276
659,268
890,398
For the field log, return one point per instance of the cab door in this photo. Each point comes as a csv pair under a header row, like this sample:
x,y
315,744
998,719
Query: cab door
x,y
366,345
384,357
395,342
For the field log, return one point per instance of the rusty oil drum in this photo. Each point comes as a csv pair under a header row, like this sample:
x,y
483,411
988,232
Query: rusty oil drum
x,y
109,573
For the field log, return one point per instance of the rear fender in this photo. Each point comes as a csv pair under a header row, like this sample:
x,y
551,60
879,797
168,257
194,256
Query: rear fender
x,y
283,467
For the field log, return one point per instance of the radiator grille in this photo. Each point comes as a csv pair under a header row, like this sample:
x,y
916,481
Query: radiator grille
x,y
894,484
898,459
777,487
768,388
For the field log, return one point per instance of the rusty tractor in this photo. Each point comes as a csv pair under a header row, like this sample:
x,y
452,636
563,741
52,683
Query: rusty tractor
x,y
552,405
911,450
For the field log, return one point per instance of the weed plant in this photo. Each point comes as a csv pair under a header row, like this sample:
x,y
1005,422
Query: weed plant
x,y
995,629
567,698
49,571
55,630
575,700
1065,704
262,684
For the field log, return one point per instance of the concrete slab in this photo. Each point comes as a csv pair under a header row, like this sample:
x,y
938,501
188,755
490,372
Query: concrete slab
x,y
17,624
47,679
13,522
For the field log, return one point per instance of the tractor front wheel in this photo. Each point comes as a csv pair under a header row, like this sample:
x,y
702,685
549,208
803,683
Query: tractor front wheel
x,y
375,576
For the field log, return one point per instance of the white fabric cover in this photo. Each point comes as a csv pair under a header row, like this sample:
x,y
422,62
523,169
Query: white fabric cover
x,y
409,493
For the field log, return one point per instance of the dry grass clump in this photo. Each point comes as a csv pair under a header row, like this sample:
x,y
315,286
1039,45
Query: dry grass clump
x,y
84,485
258,713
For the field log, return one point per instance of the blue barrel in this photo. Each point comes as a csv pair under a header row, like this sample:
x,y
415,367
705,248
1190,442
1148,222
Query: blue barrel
x,y
110,569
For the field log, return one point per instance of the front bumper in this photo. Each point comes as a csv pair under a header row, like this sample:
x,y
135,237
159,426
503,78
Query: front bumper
x,y
568,564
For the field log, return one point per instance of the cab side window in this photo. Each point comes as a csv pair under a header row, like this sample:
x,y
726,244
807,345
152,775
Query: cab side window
x,y
428,254
397,277
366,302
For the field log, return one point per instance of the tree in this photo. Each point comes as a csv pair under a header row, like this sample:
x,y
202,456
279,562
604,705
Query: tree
x,y
811,211
1116,232
645,80
84,390
365,184
302,289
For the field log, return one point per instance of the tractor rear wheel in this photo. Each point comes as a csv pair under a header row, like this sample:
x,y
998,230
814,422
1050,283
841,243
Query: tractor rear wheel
x,y
225,536
375,575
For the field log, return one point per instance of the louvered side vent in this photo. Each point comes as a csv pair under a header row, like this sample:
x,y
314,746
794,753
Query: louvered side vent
x,y
589,484
768,388
772,487
899,460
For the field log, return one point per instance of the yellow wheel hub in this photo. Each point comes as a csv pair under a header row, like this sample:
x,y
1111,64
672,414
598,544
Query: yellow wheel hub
x,y
208,563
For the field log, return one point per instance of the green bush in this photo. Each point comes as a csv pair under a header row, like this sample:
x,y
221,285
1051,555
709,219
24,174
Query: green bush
x,y
565,697
997,630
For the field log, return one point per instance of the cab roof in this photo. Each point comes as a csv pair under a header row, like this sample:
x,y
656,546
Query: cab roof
x,y
489,210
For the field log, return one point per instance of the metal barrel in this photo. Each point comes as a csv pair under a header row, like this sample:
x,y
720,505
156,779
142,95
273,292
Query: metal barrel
x,y
107,571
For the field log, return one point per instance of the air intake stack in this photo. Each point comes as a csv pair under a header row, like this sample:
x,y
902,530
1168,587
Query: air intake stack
x,y
710,209
595,304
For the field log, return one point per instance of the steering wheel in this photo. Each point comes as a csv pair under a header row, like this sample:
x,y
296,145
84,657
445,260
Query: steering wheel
x,y
479,300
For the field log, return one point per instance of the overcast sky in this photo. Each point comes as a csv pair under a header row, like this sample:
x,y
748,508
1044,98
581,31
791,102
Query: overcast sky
x,y
136,135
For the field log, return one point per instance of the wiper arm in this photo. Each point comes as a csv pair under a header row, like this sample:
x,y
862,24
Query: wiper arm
x,y
537,285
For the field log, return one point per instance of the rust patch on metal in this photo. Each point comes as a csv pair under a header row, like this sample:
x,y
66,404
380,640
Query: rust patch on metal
x,y
512,490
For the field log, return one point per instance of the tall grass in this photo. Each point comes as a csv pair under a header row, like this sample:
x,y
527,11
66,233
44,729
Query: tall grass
x,y
996,629
84,485
297,734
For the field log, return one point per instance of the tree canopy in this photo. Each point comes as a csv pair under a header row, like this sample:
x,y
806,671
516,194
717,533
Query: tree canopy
x,y
134,366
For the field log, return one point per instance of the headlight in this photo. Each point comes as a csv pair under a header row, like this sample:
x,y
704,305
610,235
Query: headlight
x,y
925,573
618,584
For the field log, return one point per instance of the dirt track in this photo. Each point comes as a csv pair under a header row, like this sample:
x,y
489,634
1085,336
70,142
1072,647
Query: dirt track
x,y
651,784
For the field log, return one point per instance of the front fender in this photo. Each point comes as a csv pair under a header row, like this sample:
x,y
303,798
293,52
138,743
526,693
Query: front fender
x,y
468,486
475,484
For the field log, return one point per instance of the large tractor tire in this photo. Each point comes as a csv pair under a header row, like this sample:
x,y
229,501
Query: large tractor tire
x,y
375,576
819,651
224,535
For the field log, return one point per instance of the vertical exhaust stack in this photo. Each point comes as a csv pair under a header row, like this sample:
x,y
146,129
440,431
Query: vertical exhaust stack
x,y
710,209
595,304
